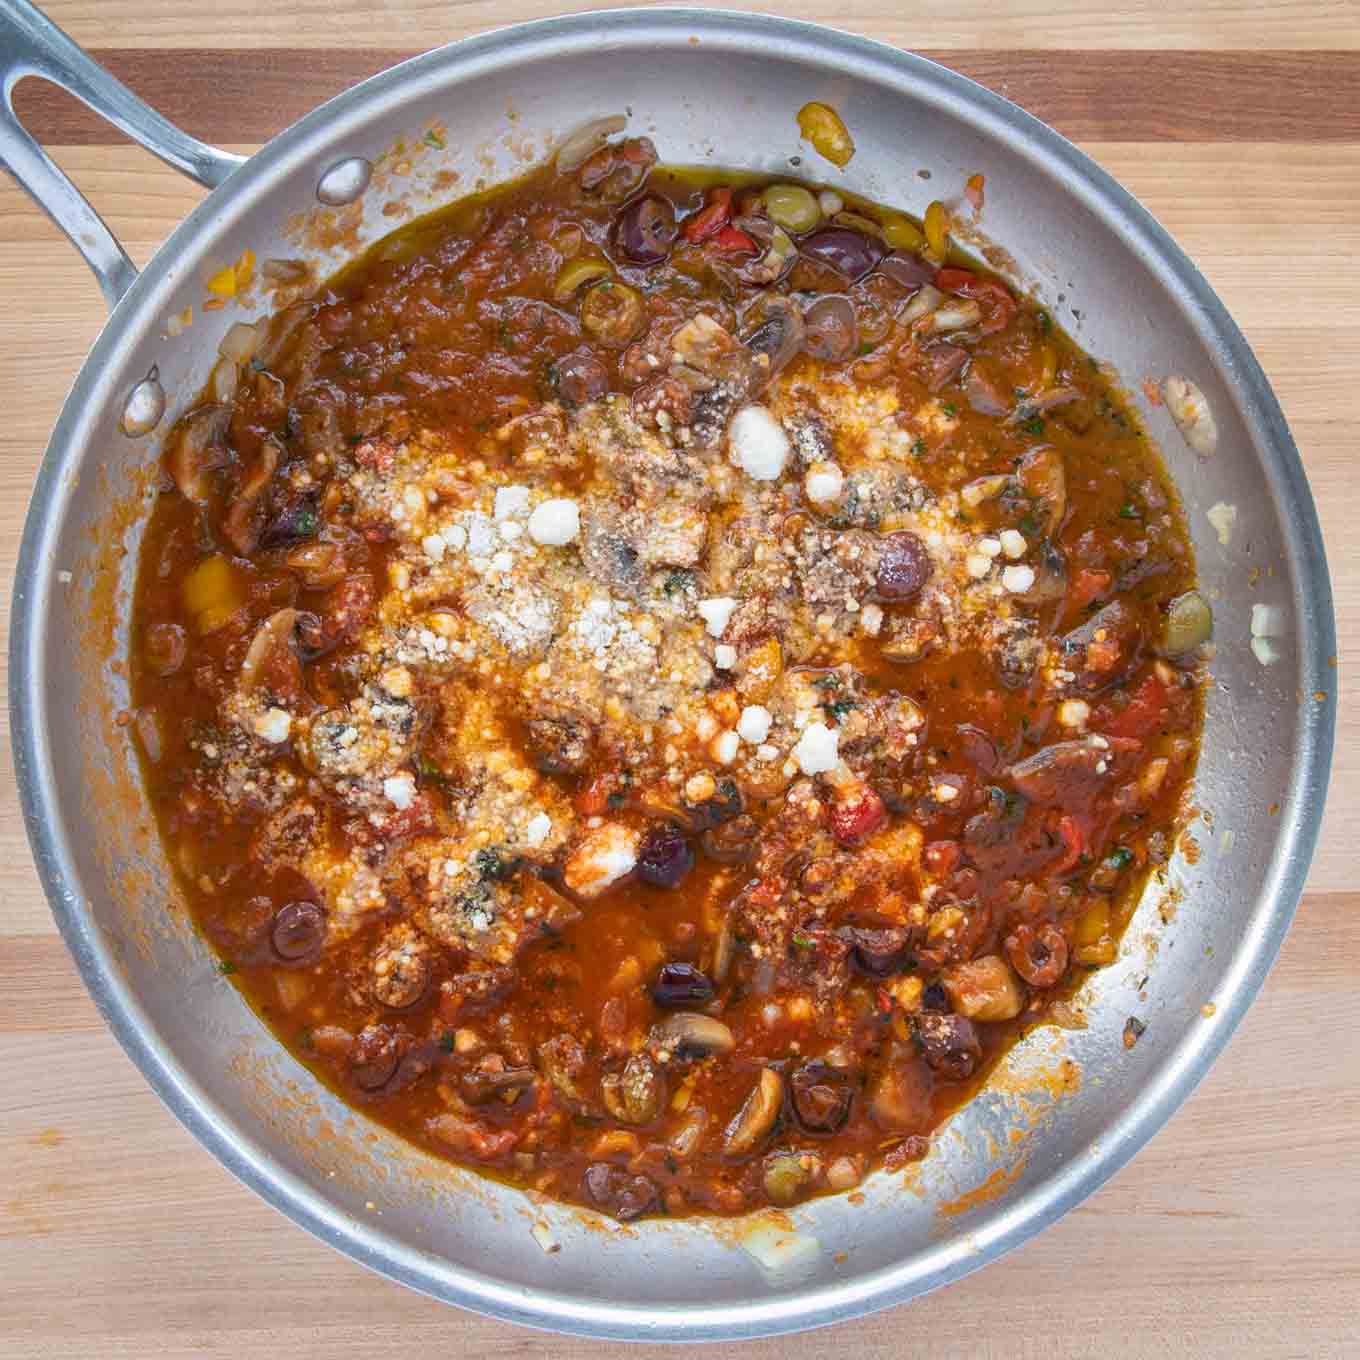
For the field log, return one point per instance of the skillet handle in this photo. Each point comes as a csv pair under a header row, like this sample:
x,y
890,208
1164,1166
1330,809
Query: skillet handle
x,y
32,45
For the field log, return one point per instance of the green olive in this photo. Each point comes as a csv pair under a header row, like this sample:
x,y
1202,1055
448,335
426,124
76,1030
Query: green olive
x,y
1189,622
575,274
613,314
789,1175
793,207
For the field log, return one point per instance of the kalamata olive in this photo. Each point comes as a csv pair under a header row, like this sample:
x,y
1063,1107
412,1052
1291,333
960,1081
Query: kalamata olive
x,y
907,270
904,567
832,331
725,804
294,523
847,252
681,985
580,378
821,1097
949,1043
645,230
935,998
877,952
374,1057
617,1193
298,932
665,857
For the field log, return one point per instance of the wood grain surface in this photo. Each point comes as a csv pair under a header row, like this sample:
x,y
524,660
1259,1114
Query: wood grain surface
x,y
1237,1231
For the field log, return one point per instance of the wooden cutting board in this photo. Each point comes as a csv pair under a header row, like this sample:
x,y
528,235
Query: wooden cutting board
x,y
1237,1231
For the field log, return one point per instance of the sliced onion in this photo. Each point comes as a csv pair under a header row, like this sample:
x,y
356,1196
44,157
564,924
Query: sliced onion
x,y
982,395
149,733
286,271
223,381
239,343
580,145
278,330
926,301
955,316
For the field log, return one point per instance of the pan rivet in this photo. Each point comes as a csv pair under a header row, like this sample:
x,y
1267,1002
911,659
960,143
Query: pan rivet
x,y
344,181
144,407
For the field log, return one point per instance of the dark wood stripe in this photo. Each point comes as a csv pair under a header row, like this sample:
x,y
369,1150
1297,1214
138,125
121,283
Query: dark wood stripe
x,y
1136,96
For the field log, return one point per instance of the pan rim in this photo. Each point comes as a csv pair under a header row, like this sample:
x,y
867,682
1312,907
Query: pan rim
x,y
1011,1223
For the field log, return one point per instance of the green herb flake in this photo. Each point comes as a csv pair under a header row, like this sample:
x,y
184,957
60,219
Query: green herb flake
x,y
919,448
1129,511
803,941
226,967
1045,323
1119,858
840,708
950,409
1034,425
446,1041
433,137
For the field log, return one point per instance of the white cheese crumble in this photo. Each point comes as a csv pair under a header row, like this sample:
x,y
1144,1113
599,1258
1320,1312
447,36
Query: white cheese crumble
x,y
400,791
824,484
871,620
758,444
602,856
724,656
1018,579
456,537
537,830
555,523
481,536
1224,519
512,502
715,613
1267,620
989,547
977,566
273,726
818,749
724,747
434,547
1013,544
754,724
1074,714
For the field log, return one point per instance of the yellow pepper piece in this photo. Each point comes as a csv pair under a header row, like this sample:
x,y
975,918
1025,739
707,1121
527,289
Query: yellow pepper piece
x,y
901,233
245,270
1093,926
223,283
211,593
822,126
937,230
1049,358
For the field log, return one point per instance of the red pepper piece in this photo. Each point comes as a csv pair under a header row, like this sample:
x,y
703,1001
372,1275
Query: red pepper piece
x,y
711,218
997,303
733,239
1143,714
856,817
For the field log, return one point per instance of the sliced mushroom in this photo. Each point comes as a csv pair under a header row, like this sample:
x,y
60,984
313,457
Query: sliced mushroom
x,y
724,949
688,1034
563,1061
684,1142
481,1085
635,1095
776,330
1067,772
271,660
244,522
757,1116
197,450
1044,480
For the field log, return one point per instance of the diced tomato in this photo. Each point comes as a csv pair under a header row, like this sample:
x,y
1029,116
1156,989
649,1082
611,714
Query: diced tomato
x,y
997,303
1143,714
855,817
711,218
940,857
1074,842
1087,587
733,239
593,800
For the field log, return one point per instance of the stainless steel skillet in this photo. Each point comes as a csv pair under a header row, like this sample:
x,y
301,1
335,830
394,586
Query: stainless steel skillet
x,y
724,88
